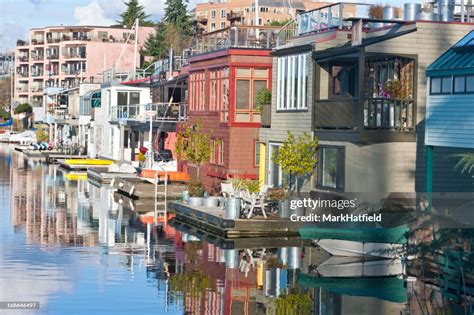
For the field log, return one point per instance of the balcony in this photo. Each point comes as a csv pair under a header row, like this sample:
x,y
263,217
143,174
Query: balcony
x,y
22,74
37,57
23,59
173,112
370,119
242,36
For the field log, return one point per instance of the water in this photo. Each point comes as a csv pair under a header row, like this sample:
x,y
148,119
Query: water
x,y
70,246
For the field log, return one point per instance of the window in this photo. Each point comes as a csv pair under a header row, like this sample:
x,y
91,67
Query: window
x,y
343,81
213,14
442,85
292,73
435,85
213,26
222,25
459,84
217,153
197,91
446,85
257,155
331,168
249,81
470,83
223,14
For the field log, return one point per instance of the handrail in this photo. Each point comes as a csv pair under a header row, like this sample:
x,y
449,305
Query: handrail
x,y
164,111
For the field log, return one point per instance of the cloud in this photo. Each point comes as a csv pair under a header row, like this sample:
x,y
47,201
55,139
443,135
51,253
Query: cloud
x,y
91,14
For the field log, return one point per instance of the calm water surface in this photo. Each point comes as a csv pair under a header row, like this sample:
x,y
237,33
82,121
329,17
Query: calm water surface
x,y
70,246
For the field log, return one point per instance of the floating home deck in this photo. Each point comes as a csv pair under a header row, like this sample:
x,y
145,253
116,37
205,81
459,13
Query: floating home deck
x,y
139,188
239,243
84,167
213,220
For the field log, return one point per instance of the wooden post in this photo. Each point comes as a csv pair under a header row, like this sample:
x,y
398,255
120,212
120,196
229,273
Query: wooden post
x,y
429,174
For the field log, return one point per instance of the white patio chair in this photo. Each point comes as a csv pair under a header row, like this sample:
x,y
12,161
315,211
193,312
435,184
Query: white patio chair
x,y
253,201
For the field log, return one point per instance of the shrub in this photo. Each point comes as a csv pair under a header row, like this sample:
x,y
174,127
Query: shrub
x,y
23,108
4,114
195,189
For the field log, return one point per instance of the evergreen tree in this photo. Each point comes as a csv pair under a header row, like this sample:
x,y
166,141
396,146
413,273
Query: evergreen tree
x,y
176,14
156,44
134,11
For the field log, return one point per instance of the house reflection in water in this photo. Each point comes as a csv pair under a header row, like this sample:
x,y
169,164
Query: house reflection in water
x,y
89,240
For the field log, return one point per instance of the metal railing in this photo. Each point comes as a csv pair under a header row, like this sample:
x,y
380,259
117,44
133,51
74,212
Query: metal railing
x,y
321,19
387,113
142,112
379,114
244,36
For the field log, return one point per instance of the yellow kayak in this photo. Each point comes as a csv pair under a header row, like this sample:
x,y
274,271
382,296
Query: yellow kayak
x,y
88,162
76,176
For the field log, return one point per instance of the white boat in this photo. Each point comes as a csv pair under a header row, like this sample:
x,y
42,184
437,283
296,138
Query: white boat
x,y
357,267
360,249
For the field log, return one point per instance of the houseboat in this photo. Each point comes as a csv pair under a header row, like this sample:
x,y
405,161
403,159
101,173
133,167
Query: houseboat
x,y
366,98
227,70
449,118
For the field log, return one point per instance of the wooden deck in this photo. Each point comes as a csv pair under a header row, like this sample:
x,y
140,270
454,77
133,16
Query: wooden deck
x,y
139,188
239,243
213,220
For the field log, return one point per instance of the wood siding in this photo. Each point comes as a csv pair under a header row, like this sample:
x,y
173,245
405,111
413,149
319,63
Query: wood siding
x,y
450,121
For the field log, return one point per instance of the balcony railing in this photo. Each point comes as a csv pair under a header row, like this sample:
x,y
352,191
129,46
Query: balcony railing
x,y
159,112
379,114
243,36
321,19
37,57
23,58
22,74
336,114
393,114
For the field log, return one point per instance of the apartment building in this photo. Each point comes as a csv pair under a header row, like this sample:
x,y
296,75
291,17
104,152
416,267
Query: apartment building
x,y
63,56
214,15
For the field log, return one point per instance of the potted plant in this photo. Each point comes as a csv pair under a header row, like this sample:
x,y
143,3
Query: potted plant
x,y
280,195
196,192
212,200
376,12
297,158
263,102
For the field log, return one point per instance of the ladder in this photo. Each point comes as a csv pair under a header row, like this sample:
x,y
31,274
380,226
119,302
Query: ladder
x,y
161,206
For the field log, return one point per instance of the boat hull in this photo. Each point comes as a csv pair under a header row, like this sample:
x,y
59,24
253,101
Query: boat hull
x,y
361,249
356,267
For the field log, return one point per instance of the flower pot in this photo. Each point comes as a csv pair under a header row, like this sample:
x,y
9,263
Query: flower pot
x,y
300,211
232,209
284,208
212,202
195,201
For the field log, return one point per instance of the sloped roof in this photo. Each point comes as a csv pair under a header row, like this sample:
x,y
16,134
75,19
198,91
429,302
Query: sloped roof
x,y
459,59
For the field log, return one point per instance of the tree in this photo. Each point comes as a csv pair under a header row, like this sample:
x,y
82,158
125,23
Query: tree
x,y
193,146
277,23
23,108
175,14
156,43
5,87
466,163
297,157
134,11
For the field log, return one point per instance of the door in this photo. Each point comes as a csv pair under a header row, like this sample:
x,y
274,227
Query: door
x,y
274,169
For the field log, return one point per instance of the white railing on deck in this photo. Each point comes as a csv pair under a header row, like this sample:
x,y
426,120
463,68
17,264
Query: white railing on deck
x,y
140,112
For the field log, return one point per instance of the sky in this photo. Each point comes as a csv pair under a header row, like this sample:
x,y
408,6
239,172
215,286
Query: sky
x,y
18,16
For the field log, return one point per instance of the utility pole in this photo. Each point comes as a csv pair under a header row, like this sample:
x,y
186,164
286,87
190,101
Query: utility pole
x,y
135,48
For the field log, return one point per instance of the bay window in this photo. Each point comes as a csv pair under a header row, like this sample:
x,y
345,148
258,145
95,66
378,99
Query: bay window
x,y
292,73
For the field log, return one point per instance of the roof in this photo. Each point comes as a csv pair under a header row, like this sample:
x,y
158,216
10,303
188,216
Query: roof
x,y
459,59
281,4
347,48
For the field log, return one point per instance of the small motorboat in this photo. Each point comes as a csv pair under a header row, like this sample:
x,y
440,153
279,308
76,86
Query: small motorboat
x,y
357,267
